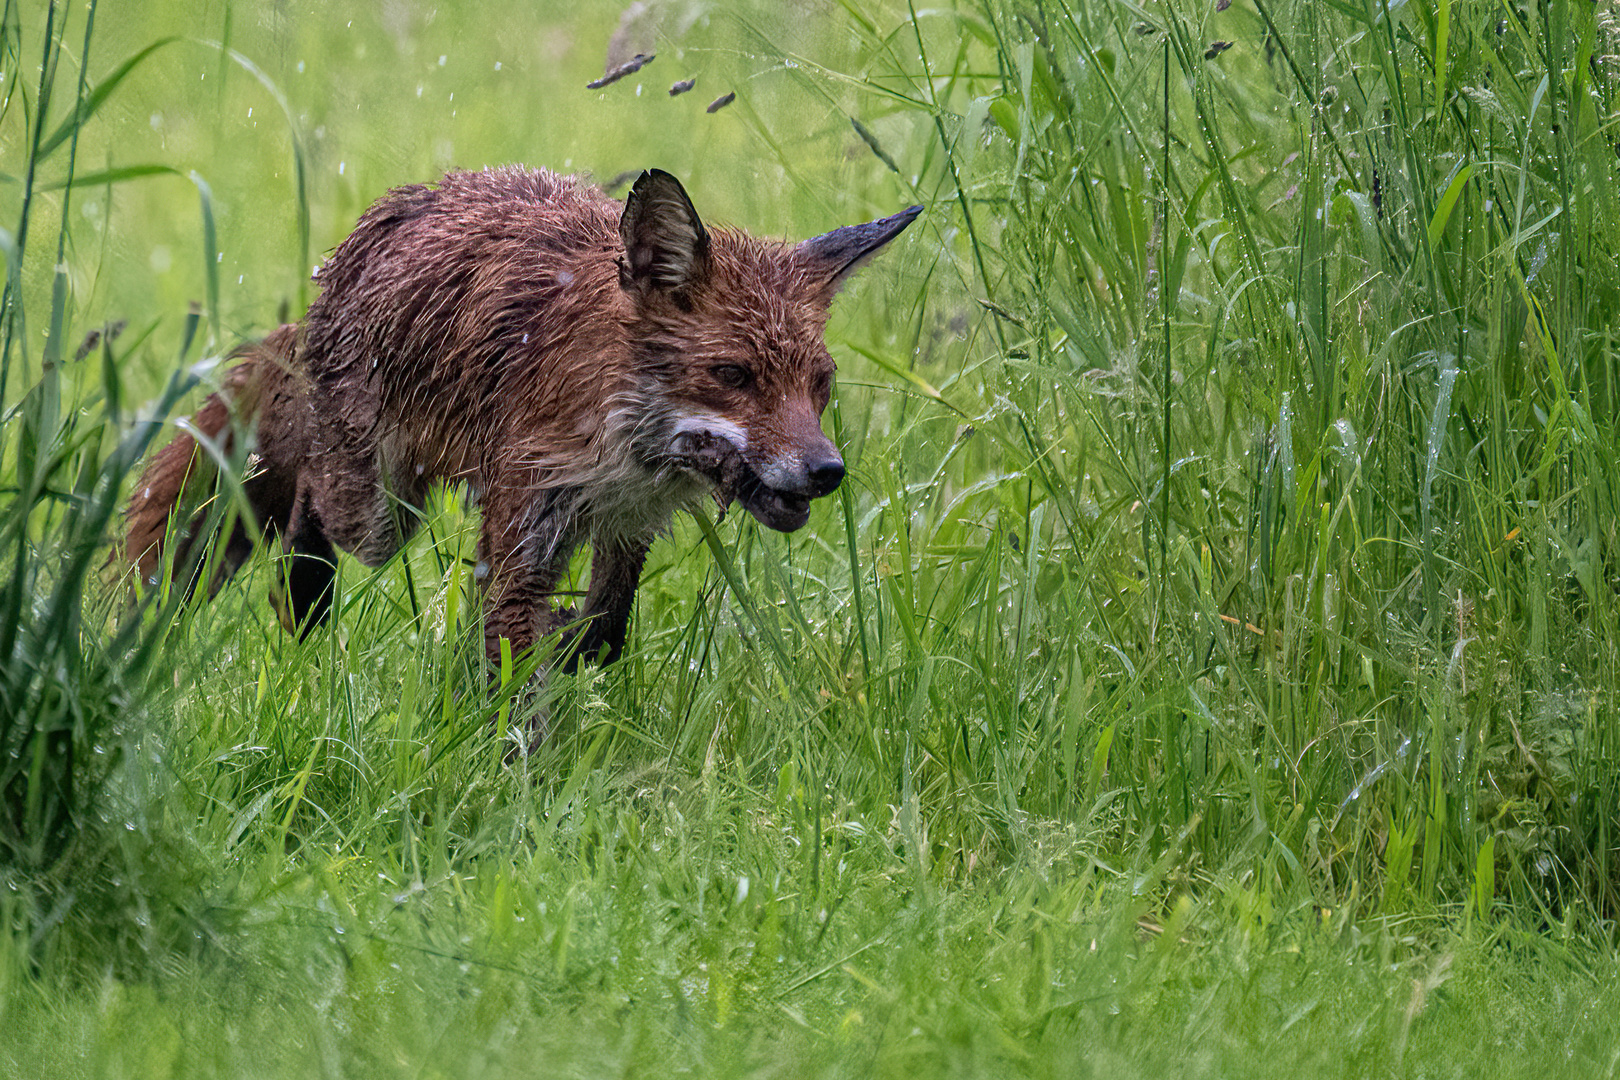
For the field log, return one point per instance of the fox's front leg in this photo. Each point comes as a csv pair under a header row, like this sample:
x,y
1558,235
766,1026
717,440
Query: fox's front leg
x,y
522,554
615,573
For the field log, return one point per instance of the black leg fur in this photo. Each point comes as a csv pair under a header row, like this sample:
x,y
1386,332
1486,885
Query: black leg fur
x,y
310,567
615,573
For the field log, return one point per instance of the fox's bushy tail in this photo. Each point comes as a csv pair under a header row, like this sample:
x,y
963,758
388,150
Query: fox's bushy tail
x,y
169,505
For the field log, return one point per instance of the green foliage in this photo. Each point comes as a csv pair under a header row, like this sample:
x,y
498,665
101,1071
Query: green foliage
x,y
1342,345
66,677
1223,589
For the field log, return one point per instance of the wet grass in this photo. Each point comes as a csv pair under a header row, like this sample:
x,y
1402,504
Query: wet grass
x,y
1209,666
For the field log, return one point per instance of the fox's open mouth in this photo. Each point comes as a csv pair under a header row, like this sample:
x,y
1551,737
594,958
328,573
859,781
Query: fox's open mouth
x,y
735,480
783,511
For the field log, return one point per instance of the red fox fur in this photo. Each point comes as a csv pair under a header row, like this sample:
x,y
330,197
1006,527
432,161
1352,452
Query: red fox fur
x,y
587,368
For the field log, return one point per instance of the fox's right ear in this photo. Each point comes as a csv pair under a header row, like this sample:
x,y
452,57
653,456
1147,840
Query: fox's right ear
x,y
833,256
666,246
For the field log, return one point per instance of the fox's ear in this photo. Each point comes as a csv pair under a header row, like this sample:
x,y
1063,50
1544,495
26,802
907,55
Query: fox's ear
x,y
834,256
665,244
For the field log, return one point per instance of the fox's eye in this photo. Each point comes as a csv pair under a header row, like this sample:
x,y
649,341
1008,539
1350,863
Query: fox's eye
x,y
823,385
732,376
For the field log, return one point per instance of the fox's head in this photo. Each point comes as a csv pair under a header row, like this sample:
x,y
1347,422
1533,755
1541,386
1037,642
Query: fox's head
x,y
734,372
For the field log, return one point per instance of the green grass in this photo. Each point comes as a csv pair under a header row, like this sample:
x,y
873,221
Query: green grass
x,y
1209,667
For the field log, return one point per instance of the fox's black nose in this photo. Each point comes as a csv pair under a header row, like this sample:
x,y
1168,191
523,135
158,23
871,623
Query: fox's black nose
x,y
825,476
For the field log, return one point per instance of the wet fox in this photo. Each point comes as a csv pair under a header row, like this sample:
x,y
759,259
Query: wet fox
x,y
587,368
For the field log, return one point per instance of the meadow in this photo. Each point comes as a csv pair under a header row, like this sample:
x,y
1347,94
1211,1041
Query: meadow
x,y
1209,667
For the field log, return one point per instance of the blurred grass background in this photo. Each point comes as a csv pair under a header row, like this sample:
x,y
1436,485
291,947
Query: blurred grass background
x,y
1210,663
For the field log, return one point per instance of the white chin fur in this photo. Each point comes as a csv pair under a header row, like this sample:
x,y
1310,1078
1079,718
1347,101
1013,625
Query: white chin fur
x,y
717,426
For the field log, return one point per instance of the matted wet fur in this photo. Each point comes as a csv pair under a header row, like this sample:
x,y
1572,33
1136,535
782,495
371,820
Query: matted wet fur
x,y
587,368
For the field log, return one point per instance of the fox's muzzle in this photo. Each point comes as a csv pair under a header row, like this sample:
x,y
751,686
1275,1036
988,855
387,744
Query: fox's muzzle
x,y
825,475
785,485
777,491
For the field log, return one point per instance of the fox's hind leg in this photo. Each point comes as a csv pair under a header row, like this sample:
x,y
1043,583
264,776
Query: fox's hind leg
x,y
269,495
346,500
365,485
303,599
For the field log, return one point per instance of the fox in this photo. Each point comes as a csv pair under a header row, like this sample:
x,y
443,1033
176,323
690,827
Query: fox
x,y
588,369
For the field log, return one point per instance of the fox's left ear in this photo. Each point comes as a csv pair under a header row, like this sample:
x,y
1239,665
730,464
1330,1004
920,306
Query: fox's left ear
x,y
834,256
665,244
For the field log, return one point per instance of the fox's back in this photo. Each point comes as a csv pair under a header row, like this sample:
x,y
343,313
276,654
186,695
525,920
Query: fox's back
x,y
478,317
442,295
